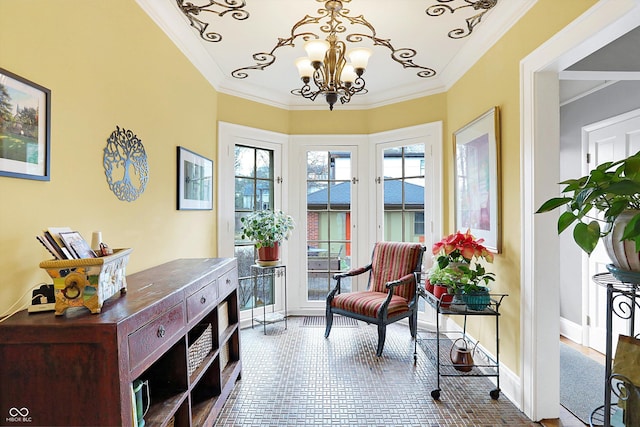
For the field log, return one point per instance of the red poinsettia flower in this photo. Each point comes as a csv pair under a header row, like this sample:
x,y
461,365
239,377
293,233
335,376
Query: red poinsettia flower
x,y
462,245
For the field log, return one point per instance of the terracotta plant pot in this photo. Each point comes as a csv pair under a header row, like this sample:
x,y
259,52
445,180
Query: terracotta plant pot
x,y
269,255
428,286
441,292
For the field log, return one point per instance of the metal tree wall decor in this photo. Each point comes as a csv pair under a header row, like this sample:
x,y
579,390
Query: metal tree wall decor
x,y
459,33
125,165
220,8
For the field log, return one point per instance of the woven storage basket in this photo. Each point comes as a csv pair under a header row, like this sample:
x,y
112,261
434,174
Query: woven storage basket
x,y
200,347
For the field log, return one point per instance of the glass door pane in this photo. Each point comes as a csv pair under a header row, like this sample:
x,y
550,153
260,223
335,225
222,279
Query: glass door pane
x,y
254,190
403,193
328,220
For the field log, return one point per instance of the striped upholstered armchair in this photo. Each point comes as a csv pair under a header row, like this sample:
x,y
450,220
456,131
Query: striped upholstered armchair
x,y
391,291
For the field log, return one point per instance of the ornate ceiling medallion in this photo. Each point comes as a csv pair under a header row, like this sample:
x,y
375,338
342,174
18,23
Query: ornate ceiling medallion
x,y
459,33
330,72
219,8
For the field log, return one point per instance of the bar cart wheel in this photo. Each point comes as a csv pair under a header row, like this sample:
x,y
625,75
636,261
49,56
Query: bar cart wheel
x,y
495,393
435,394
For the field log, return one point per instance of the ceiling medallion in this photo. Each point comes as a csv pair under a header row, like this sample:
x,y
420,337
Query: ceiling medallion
x,y
459,33
125,165
219,8
326,66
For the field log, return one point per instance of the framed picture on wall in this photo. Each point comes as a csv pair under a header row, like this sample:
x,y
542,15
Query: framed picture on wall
x,y
195,181
477,178
24,128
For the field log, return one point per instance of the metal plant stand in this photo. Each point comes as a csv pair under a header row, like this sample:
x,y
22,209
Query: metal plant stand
x,y
484,365
260,275
623,301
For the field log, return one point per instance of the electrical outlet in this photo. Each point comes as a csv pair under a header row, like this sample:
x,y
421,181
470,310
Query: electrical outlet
x,y
42,299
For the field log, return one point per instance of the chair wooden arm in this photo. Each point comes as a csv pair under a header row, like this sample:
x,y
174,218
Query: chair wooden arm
x,y
404,280
352,272
337,277
411,277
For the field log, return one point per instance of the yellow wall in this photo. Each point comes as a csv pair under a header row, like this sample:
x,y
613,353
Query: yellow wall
x,y
495,81
236,110
106,64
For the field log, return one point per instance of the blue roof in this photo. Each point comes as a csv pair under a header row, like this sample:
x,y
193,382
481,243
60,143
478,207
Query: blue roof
x,y
340,194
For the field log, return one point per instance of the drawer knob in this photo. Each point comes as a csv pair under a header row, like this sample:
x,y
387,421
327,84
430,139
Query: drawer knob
x,y
203,300
228,281
161,331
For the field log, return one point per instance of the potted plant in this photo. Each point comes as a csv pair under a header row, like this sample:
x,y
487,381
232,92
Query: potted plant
x,y
458,265
604,204
267,229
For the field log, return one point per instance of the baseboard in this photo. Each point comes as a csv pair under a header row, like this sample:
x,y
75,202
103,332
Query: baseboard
x,y
571,330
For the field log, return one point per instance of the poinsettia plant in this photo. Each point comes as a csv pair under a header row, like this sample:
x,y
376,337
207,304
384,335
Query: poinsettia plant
x,y
459,247
454,256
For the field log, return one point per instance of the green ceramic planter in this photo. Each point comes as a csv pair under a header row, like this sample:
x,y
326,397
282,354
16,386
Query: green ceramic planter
x,y
477,300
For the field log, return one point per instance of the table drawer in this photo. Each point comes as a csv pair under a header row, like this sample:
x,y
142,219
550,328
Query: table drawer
x,y
156,336
227,282
202,300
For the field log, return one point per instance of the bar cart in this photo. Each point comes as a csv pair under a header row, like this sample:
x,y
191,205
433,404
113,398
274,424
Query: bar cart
x,y
623,301
260,275
484,366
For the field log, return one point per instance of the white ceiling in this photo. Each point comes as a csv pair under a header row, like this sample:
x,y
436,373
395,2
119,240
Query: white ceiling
x,y
404,22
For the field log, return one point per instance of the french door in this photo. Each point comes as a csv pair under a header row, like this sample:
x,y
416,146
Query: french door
x,y
409,190
250,163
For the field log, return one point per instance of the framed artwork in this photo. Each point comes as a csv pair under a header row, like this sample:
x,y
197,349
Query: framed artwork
x,y
195,181
477,179
25,110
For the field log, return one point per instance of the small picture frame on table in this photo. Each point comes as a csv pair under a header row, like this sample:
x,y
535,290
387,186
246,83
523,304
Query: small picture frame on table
x,y
195,181
477,179
25,108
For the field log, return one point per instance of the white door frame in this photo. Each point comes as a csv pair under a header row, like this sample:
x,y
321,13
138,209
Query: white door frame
x,y
430,135
539,130
229,135
300,144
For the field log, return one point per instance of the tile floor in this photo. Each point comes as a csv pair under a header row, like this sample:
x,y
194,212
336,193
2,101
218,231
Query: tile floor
x,y
296,377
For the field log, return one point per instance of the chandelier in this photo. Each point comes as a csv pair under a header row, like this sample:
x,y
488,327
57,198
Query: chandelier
x,y
325,71
327,66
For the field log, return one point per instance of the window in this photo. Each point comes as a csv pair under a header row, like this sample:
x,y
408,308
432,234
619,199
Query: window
x,y
403,194
254,190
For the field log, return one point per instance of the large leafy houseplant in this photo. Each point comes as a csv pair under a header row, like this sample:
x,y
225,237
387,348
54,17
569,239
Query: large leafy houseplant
x,y
266,228
594,202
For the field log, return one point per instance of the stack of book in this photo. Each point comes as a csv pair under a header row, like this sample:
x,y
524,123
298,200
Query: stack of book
x,y
64,243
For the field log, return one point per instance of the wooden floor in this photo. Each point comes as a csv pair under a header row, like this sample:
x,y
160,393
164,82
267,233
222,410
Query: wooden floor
x,y
567,419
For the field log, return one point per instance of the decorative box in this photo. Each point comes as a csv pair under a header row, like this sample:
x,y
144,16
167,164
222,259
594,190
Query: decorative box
x,y
87,282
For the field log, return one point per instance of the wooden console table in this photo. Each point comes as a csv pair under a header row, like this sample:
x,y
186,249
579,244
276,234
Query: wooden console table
x,y
78,369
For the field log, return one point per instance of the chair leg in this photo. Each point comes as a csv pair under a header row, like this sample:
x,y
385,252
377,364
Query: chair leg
x,y
413,324
329,323
382,335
